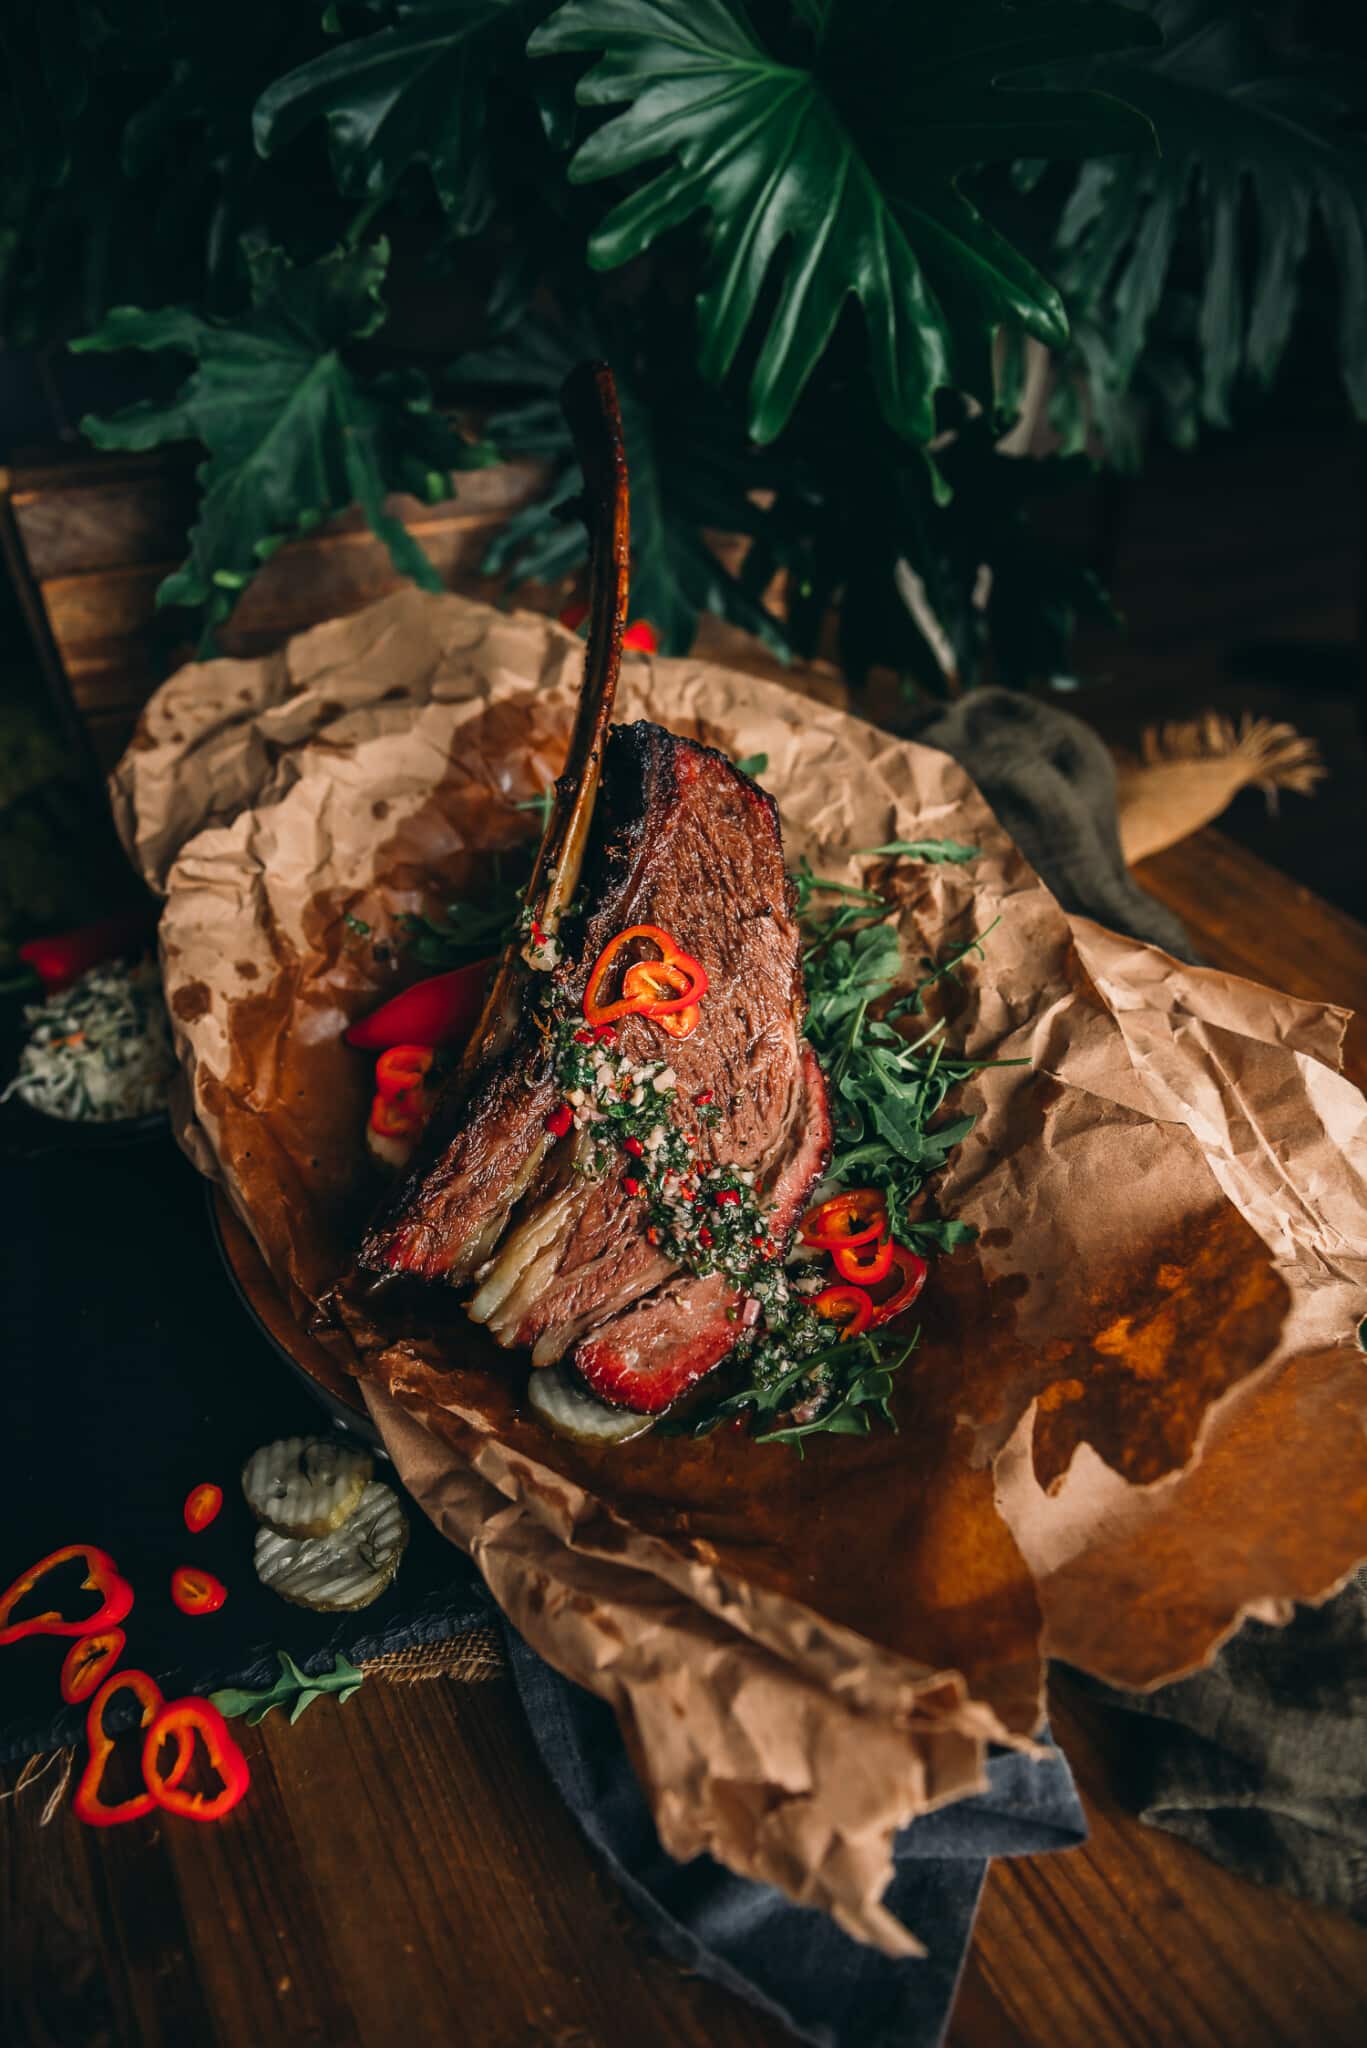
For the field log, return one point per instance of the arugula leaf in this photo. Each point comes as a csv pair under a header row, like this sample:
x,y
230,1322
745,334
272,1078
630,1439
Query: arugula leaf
x,y
753,764
293,1688
294,433
1255,148
850,164
847,1383
952,851
414,92
466,931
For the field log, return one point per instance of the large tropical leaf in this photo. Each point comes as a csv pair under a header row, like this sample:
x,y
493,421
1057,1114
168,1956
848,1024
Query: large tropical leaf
x,y
414,92
1253,149
836,177
293,431
691,471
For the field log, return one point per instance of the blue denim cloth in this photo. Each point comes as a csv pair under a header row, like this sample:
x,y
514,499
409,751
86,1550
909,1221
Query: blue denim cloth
x,y
790,1961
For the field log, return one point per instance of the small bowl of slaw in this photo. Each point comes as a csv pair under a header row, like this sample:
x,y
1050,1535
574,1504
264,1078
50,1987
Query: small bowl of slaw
x,y
96,1060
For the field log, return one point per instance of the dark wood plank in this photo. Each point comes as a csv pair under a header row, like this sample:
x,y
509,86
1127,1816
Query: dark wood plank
x,y
1137,1939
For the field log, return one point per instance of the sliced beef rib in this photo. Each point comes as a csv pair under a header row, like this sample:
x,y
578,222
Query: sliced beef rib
x,y
683,841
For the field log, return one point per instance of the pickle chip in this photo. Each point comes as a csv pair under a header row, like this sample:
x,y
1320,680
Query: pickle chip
x,y
348,1568
565,1405
305,1485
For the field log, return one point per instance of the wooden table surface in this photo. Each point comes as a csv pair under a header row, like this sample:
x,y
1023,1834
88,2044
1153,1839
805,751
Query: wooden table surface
x,y
403,1872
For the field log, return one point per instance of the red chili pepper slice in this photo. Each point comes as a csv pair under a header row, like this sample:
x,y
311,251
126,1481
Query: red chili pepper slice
x,y
86,1801
202,1504
438,1011
656,981
694,982
640,634
854,1216
560,1119
397,1119
180,1722
910,1277
63,958
401,1071
863,1264
89,1662
850,1307
102,1576
197,1592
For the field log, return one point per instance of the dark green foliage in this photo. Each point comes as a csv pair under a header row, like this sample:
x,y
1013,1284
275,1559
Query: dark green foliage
x,y
691,469
293,431
1184,271
812,238
415,92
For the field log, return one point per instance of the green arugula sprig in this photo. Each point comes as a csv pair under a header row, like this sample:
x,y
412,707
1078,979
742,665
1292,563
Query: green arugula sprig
x,y
293,1688
887,1089
854,1380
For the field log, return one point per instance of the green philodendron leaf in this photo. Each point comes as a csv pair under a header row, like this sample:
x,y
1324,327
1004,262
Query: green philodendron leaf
x,y
293,432
414,92
1253,151
839,180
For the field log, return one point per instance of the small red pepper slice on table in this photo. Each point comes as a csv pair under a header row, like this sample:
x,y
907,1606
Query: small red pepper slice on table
x,y
179,1723
690,988
89,1662
87,1801
864,1265
850,1307
102,1576
437,1011
854,1216
657,981
197,1592
202,1504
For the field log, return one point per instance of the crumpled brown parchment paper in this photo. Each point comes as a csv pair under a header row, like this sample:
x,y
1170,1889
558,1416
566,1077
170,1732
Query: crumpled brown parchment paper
x,y
1138,1412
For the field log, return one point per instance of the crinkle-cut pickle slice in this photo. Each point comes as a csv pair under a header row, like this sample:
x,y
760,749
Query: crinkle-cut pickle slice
x,y
305,1485
565,1405
346,1569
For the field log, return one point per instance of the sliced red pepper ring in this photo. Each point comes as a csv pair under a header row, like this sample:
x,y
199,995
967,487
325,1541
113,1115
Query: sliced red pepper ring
x,y
89,1662
197,1592
850,1307
401,1070
680,1023
657,981
900,1289
87,1801
694,978
202,1504
102,1576
864,1264
854,1216
397,1119
438,1011
179,1723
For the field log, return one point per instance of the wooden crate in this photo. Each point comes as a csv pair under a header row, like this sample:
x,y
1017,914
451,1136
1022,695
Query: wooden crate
x,y
87,542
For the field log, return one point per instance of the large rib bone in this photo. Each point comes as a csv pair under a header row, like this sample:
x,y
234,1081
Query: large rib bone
x,y
589,398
